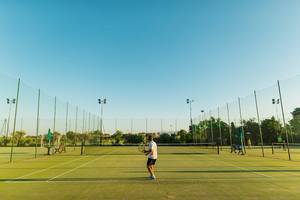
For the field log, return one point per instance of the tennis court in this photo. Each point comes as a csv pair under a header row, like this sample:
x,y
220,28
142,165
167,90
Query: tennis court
x,y
119,173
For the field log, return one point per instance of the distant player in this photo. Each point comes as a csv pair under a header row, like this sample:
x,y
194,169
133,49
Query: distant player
x,y
152,156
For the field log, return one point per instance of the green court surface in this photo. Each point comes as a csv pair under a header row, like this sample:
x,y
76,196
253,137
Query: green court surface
x,y
119,173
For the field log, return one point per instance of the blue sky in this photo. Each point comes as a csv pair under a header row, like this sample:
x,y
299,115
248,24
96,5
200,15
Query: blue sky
x,y
147,57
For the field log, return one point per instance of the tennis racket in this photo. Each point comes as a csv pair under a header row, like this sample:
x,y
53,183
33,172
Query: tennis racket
x,y
142,147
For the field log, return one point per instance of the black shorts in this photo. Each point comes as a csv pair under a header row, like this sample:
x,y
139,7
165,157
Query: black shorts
x,y
151,161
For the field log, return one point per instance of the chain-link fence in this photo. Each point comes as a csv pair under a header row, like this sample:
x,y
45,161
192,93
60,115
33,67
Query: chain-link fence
x,y
265,123
34,123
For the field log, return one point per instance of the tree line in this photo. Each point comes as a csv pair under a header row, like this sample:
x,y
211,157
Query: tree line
x,y
211,130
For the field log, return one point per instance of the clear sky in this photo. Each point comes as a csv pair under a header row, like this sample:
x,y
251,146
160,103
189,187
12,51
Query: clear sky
x,y
147,56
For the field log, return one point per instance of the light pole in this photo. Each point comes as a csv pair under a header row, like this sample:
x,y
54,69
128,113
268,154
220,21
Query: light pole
x,y
101,102
9,102
276,102
190,101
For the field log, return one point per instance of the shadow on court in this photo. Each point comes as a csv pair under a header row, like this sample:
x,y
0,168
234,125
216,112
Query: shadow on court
x,y
222,171
75,179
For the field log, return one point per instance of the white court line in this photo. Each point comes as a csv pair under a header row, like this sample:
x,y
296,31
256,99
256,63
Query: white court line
x,y
45,169
293,173
245,169
146,180
71,170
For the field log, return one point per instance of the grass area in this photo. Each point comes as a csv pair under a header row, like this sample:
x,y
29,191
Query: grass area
x,y
119,173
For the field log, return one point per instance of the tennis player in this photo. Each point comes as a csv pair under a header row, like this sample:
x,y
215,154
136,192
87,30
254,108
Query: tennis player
x,y
152,156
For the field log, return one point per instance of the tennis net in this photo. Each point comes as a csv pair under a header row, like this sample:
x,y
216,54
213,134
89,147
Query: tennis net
x,y
133,149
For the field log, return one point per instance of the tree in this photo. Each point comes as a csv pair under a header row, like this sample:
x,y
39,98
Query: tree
x,y
18,136
133,138
83,137
117,137
271,129
182,135
251,127
71,137
95,136
164,138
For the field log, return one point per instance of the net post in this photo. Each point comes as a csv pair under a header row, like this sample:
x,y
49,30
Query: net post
x,y
259,125
15,122
81,148
283,119
272,147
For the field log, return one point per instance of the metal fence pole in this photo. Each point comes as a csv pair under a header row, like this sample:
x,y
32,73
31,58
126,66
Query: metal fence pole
x,y
54,117
220,128
242,126
37,123
89,123
83,122
76,119
259,126
211,127
146,125
229,125
15,122
283,119
67,116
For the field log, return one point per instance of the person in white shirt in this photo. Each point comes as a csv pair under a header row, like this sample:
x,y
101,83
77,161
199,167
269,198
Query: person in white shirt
x,y
152,156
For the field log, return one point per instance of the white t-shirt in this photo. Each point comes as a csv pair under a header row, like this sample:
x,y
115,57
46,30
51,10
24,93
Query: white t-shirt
x,y
153,147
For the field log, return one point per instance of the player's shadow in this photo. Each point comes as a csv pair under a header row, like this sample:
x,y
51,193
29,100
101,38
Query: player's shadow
x,y
222,171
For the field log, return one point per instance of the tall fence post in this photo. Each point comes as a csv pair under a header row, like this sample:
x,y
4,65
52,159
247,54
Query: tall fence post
x,y
76,119
146,125
89,123
211,127
259,125
83,122
283,119
229,124
116,125
67,116
15,122
54,117
243,141
94,122
220,128
37,123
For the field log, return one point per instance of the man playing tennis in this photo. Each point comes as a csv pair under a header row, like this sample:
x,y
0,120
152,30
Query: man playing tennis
x,y
152,156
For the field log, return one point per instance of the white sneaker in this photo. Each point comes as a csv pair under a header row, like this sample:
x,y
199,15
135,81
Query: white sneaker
x,y
153,177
